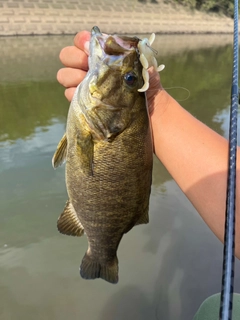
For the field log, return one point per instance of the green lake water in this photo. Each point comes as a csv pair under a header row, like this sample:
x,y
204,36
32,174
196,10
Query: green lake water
x,y
168,267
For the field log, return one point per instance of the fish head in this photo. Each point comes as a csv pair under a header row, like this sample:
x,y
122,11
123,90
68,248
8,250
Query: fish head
x,y
116,73
111,86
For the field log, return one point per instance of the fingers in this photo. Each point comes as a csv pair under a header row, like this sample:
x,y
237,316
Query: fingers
x,y
69,92
81,41
74,58
70,77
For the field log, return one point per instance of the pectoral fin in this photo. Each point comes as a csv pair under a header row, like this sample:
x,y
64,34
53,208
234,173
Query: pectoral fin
x,y
68,223
60,154
85,153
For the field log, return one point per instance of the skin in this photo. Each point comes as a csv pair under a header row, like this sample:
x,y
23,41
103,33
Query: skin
x,y
194,154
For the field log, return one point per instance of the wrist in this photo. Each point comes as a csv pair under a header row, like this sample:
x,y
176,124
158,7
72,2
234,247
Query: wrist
x,y
158,103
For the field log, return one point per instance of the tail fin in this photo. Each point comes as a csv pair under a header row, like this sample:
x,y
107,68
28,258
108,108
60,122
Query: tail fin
x,y
92,269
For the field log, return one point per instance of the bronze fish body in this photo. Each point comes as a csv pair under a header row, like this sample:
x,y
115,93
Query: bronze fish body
x,y
108,152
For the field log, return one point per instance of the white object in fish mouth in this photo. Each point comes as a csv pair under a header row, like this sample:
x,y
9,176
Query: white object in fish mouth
x,y
147,60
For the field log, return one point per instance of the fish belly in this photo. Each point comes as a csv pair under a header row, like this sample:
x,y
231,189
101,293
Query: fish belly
x,y
113,199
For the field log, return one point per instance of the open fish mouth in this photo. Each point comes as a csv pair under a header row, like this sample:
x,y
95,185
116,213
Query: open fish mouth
x,y
113,44
116,45
106,51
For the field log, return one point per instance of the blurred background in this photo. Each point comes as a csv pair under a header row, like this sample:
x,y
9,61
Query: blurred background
x,y
18,17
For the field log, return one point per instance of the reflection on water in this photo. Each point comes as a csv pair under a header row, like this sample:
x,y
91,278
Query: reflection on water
x,y
167,267
27,106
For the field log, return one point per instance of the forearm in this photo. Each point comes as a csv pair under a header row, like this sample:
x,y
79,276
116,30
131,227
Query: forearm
x,y
196,157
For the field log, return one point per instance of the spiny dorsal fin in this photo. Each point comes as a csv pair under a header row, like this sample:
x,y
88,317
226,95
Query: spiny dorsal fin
x,y
68,223
61,152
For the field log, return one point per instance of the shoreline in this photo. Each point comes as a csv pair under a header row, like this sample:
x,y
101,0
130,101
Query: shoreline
x,y
27,58
122,33
63,17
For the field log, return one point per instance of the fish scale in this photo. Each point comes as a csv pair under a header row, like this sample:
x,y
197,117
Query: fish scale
x,y
108,153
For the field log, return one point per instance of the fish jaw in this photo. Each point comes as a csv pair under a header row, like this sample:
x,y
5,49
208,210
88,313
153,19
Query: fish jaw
x,y
108,49
102,44
106,52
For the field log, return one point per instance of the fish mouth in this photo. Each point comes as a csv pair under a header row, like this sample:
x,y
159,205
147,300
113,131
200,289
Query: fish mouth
x,y
112,44
106,52
97,43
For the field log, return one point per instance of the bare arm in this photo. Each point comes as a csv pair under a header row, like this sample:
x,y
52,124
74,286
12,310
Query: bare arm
x,y
194,155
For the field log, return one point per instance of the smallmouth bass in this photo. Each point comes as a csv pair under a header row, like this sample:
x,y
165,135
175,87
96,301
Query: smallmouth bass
x,y
108,152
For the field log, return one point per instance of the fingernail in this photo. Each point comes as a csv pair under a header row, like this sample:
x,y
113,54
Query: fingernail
x,y
86,46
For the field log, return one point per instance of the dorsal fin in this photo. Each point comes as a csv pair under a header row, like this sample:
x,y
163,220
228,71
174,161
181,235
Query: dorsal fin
x,y
68,223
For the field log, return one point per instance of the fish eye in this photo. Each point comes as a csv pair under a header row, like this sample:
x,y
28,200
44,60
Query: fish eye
x,y
130,79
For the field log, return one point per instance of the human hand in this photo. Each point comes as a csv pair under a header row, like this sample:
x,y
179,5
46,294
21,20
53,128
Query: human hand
x,y
75,59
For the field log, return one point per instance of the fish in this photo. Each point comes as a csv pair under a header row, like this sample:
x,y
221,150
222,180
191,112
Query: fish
x,y
108,153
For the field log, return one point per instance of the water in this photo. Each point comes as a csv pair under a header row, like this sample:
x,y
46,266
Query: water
x,y
168,267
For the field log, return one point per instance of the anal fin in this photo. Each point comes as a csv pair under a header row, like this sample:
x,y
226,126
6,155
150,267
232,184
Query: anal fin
x,y
68,223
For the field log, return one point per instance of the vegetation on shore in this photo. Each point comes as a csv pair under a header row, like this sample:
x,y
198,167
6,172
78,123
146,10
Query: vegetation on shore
x,y
218,6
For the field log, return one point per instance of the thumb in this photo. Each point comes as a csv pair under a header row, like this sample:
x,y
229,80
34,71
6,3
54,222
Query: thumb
x,y
81,41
